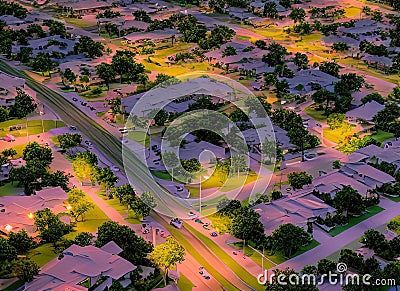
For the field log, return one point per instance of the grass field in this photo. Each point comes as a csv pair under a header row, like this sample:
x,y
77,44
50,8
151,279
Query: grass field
x,y
372,210
78,22
114,203
230,184
140,137
34,127
9,189
184,284
306,248
93,219
42,254
318,115
352,12
381,136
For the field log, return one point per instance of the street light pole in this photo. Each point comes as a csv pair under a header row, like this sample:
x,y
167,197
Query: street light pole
x,y
200,197
27,131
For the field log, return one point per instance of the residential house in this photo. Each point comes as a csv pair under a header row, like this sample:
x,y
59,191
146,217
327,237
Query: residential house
x,y
365,112
83,7
80,268
16,212
297,210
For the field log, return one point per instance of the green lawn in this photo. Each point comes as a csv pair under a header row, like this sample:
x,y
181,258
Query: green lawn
x,y
230,184
184,284
14,286
306,248
93,219
42,254
78,22
381,136
140,137
114,203
34,127
9,189
227,259
372,210
395,199
316,114
164,175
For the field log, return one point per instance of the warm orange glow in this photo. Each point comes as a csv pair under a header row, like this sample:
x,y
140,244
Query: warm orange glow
x,y
69,207
8,228
30,215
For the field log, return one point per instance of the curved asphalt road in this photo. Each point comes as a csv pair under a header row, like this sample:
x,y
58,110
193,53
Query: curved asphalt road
x,y
112,147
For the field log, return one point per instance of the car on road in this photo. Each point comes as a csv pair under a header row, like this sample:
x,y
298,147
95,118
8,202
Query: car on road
x,y
176,222
72,127
114,168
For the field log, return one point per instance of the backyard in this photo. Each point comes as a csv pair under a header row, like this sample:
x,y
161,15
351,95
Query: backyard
x,y
370,211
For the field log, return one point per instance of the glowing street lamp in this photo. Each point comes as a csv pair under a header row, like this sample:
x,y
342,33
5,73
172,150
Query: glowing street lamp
x,y
30,215
69,207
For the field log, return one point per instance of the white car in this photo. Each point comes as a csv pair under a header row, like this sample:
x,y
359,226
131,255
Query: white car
x,y
114,168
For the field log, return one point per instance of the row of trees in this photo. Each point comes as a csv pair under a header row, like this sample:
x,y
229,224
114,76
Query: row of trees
x,y
36,174
85,166
293,124
245,224
128,197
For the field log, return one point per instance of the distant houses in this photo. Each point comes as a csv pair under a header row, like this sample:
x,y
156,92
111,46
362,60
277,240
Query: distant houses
x,y
84,268
8,88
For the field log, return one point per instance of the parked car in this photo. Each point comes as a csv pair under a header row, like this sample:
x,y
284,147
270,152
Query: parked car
x,y
214,234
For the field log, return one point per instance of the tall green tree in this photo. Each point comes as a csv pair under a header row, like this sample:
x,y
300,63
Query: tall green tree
x,y
167,255
24,104
21,241
25,269
49,225
106,72
136,249
289,238
299,179
36,155
348,201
